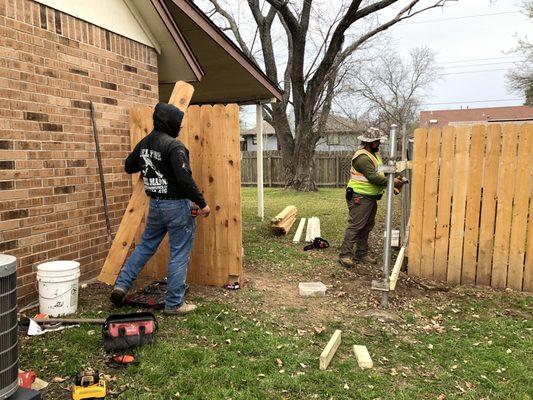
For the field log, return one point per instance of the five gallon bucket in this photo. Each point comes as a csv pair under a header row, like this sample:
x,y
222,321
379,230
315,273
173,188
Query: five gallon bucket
x,y
58,287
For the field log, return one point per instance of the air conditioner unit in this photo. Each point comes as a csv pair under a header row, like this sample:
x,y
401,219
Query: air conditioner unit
x,y
8,326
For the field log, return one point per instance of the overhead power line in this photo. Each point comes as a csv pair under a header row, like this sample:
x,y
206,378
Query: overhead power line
x,y
476,72
470,101
477,65
461,17
478,59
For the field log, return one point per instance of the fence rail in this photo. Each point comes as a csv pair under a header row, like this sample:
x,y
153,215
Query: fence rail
x,y
332,169
471,215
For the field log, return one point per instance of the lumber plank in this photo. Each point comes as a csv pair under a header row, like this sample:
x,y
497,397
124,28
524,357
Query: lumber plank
x,y
430,203
363,357
397,267
124,236
181,95
444,202
417,201
299,231
517,247
473,205
455,254
289,210
488,205
309,231
317,228
504,211
330,349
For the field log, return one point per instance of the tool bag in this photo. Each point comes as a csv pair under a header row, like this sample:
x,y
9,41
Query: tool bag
x,y
126,331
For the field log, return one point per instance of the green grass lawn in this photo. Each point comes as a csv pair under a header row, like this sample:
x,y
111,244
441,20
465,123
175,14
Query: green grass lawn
x,y
263,342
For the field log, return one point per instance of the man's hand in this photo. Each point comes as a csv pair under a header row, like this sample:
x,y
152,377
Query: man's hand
x,y
398,183
205,211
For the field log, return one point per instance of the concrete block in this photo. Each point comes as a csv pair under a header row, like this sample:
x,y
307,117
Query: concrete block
x,y
312,289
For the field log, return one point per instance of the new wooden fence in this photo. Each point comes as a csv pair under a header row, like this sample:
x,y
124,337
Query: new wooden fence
x,y
331,168
471,207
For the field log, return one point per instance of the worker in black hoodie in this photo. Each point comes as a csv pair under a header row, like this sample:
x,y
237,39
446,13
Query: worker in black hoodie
x,y
163,162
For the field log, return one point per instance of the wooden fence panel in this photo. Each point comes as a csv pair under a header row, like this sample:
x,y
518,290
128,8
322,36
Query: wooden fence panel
x,y
472,207
417,202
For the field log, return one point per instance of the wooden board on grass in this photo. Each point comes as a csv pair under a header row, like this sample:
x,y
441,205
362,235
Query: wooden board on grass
x,y
330,349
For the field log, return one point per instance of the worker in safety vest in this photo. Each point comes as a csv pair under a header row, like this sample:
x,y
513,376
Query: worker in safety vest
x,y
365,188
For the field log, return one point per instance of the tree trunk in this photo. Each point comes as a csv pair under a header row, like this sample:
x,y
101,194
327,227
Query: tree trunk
x,y
301,177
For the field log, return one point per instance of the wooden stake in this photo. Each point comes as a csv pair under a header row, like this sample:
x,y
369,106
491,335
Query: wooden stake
x,y
330,349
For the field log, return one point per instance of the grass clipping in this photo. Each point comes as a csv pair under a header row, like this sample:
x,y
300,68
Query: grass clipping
x,y
282,223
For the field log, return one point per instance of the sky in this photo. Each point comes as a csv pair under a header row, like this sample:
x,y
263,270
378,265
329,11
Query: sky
x,y
472,40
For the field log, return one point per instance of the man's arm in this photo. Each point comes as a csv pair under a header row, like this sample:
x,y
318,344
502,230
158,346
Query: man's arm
x,y
132,162
179,160
364,164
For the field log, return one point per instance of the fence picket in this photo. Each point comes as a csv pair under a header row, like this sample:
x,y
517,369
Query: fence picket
x,y
473,205
524,187
528,267
488,205
505,207
430,202
417,202
444,203
458,204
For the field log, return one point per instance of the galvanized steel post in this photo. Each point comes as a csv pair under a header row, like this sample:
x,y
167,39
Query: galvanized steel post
x,y
388,220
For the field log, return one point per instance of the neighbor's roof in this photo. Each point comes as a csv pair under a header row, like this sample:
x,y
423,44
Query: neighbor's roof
x,y
439,118
334,124
224,74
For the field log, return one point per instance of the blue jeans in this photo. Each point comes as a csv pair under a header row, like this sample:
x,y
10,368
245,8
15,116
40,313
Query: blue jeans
x,y
174,217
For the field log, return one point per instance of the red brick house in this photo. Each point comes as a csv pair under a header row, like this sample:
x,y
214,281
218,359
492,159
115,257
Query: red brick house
x,y
57,56
471,116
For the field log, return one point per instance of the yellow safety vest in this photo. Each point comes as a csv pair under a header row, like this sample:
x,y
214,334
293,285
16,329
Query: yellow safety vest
x,y
358,181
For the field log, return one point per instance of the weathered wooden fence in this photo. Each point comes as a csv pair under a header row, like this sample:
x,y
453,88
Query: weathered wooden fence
x,y
331,168
471,214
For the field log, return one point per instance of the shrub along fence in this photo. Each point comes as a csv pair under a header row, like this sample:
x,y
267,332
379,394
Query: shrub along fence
x,y
471,214
332,169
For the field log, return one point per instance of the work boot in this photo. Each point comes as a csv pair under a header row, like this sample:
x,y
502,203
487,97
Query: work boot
x,y
185,308
118,295
346,262
366,259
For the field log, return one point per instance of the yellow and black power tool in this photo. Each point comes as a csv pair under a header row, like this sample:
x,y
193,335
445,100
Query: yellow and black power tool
x,y
88,385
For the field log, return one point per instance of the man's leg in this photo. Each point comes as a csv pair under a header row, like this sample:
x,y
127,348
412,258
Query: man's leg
x,y
181,239
358,208
153,234
362,238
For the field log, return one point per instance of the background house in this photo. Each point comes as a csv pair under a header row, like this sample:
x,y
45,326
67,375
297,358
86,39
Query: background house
x,y
472,116
57,57
340,135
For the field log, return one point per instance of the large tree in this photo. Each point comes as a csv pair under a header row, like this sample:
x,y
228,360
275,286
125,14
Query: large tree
x,y
521,78
390,88
312,73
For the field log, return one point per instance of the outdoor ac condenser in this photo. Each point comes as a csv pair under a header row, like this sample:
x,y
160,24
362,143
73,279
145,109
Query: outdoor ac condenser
x,y
8,326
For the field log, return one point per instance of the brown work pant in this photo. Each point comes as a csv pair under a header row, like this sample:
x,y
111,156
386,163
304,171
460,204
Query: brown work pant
x,y
361,220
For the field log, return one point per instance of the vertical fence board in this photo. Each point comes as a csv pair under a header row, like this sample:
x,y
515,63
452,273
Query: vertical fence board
x,y
417,202
524,187
528,267
505,207
444,203
458,204
430,202
473,205
488,205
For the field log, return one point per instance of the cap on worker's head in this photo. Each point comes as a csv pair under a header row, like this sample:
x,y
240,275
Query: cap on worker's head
x,y
371,135
167,118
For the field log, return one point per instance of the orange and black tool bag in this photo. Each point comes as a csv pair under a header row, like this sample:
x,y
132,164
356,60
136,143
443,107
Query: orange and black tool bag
x,y
126,331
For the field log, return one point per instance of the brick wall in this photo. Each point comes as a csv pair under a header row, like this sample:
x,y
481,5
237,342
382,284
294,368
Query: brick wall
x,y
51,66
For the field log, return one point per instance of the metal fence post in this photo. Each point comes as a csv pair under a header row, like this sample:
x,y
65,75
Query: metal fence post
x,y
388,220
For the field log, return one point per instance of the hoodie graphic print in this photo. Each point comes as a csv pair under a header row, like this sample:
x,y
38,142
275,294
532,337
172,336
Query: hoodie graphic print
x,y
154,180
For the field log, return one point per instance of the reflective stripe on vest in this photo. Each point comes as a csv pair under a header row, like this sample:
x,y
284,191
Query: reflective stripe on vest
x,y
358,181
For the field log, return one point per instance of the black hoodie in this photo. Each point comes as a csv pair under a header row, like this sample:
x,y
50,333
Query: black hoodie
x,y
163,161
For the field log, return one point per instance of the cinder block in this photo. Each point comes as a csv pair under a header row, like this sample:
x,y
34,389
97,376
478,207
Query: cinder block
x,y
312,289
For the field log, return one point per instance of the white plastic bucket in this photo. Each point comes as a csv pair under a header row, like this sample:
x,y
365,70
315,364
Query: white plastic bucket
x,y
58,287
